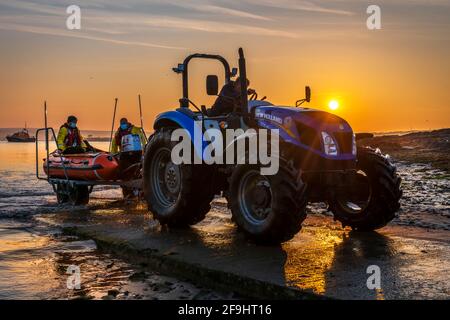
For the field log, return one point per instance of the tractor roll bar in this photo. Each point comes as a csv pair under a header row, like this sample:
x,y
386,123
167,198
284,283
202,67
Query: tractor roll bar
x,y
184,71
243,80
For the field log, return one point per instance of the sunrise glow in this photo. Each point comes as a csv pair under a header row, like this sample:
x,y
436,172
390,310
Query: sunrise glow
x,y
333,105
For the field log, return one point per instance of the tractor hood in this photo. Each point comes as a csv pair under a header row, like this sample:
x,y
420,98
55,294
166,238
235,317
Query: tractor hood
x,y
304,126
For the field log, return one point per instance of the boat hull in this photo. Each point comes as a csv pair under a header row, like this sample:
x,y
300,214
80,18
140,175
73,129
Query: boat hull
x,y
14,139
99,166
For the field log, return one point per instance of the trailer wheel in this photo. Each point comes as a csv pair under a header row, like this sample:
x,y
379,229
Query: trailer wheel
x,y
177,195
79,195
128,193
62,195
375,200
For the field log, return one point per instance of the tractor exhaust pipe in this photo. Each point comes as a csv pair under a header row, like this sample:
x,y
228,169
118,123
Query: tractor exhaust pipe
x,y
243,80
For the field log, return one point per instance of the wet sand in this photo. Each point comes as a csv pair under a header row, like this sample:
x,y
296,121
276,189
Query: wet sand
x,y
35,259
322,261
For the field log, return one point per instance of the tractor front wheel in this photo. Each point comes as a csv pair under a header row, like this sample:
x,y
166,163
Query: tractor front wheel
x,y
374,199
269,209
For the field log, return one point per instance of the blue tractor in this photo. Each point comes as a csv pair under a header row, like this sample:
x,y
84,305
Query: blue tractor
x,y
319,161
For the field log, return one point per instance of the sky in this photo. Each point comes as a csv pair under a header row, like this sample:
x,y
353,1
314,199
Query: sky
x,y
395,78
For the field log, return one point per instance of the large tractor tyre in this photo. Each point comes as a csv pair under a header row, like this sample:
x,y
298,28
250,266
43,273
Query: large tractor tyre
x,y
177,195
268,209
373,200
78,195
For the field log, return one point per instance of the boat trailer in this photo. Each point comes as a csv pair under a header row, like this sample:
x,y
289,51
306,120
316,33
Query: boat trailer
x,y
73,191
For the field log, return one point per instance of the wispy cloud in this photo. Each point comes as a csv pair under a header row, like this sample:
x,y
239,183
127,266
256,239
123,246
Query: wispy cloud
x,y
209,7
111,24
62,33
222,10
143,22
299,5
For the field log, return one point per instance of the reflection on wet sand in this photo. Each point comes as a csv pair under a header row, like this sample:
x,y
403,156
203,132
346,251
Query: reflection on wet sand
x,y
35,258
34,263
313,275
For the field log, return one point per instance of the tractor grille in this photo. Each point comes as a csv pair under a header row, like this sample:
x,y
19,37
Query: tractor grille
x,y
309,136
344,141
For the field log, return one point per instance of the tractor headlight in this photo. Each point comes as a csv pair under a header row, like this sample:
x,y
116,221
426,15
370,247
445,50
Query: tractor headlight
x,y
354,145
329,145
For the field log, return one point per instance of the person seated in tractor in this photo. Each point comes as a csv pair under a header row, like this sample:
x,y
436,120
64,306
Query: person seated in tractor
x,y
228,99
130,141
70,140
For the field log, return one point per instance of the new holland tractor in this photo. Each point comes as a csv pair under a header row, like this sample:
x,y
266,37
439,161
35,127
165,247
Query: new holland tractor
x,y
319,161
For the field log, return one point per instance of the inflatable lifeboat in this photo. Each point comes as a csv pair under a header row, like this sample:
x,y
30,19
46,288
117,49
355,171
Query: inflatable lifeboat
x,y
85,166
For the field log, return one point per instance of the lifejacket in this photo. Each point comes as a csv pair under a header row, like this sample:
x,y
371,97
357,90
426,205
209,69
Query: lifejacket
x,y
122,133
73,138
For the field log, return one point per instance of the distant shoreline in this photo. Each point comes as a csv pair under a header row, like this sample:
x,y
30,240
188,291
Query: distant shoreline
x,y
104,136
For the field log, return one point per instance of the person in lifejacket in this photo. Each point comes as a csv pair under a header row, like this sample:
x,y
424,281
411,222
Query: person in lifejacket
x,y
123,141
130,141
69,138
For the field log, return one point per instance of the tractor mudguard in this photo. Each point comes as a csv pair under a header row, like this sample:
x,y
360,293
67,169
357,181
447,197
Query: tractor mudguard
x,y
183,121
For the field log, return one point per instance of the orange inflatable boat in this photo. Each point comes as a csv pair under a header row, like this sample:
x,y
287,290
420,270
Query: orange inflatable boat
x,y
85,166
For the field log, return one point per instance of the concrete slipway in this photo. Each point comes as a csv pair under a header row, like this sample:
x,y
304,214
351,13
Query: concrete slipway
x,y
322,261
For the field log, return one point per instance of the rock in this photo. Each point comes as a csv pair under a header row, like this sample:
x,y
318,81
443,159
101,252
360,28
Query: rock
x,y
363,135
138,276
113,292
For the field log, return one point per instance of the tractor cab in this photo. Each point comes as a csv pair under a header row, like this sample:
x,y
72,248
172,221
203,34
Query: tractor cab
x,y
239,116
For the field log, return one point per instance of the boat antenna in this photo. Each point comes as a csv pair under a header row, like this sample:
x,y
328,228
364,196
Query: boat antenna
x,y
46,126
114,120
142,118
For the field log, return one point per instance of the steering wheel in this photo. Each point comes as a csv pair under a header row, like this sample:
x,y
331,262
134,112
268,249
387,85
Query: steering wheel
x,y
194,105
254,96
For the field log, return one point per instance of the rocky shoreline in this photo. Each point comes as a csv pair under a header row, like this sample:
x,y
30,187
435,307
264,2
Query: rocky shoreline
x,y
428,147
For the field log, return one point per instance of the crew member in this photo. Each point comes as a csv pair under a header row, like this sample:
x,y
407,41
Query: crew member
x,y
69,138
126,129
130,141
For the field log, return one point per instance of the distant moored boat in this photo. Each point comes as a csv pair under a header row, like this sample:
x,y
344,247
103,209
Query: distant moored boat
x,y
21,136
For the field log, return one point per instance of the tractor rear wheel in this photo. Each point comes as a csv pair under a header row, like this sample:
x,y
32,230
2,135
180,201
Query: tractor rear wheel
x,y
269,209
177,195
375,199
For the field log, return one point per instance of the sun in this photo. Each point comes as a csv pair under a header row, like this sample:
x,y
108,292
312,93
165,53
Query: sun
x,y
333,104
